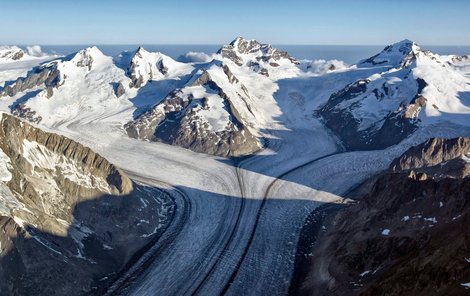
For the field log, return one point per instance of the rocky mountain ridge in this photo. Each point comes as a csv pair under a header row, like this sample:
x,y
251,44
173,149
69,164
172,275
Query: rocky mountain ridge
x,y
396,241
390,105
67,213
396,92
201,116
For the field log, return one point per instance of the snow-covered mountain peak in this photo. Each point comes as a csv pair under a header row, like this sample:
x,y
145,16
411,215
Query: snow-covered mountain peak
x,y
245,46
398,55
11,53
141,50
211,113
143,55
405,46
86,57
63,88
146,66
416,88
258,57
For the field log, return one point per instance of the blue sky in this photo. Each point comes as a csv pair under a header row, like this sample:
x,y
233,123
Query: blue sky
x,y
362,22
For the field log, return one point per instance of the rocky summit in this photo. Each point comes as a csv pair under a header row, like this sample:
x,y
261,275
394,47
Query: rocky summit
x,y
258,57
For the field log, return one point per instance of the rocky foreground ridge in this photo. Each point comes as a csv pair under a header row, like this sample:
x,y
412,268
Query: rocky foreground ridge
x,y
407,236
69,219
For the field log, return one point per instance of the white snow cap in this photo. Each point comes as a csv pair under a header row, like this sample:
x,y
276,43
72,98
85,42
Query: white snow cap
x,y
11,53
156,66
394,54
88,54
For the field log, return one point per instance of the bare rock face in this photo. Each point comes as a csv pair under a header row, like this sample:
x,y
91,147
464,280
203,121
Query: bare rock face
x,y
201,117
146,66
46,75
396,240
119,90
70,221
11,53
92,163
260,56
433,152
84,58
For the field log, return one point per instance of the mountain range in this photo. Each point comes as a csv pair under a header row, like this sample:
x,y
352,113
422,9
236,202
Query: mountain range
x,y
137,173
215,107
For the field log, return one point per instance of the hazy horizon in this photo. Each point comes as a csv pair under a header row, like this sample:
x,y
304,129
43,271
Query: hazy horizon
x,y
347,53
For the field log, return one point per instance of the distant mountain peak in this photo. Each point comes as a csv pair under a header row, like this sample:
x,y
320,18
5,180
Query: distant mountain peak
x,y
90,51
11,53
405,46
146,66
140,51
245,46
400,54
257,56
86,57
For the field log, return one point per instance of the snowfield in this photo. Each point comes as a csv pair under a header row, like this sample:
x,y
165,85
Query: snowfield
x,y
237,221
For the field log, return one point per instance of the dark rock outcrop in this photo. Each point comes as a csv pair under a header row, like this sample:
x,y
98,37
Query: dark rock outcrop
x,y
119,89
433,152
47,76
395,240
145,66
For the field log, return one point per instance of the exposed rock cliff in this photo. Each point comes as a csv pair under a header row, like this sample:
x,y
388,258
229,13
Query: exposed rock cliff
x,y
68,214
